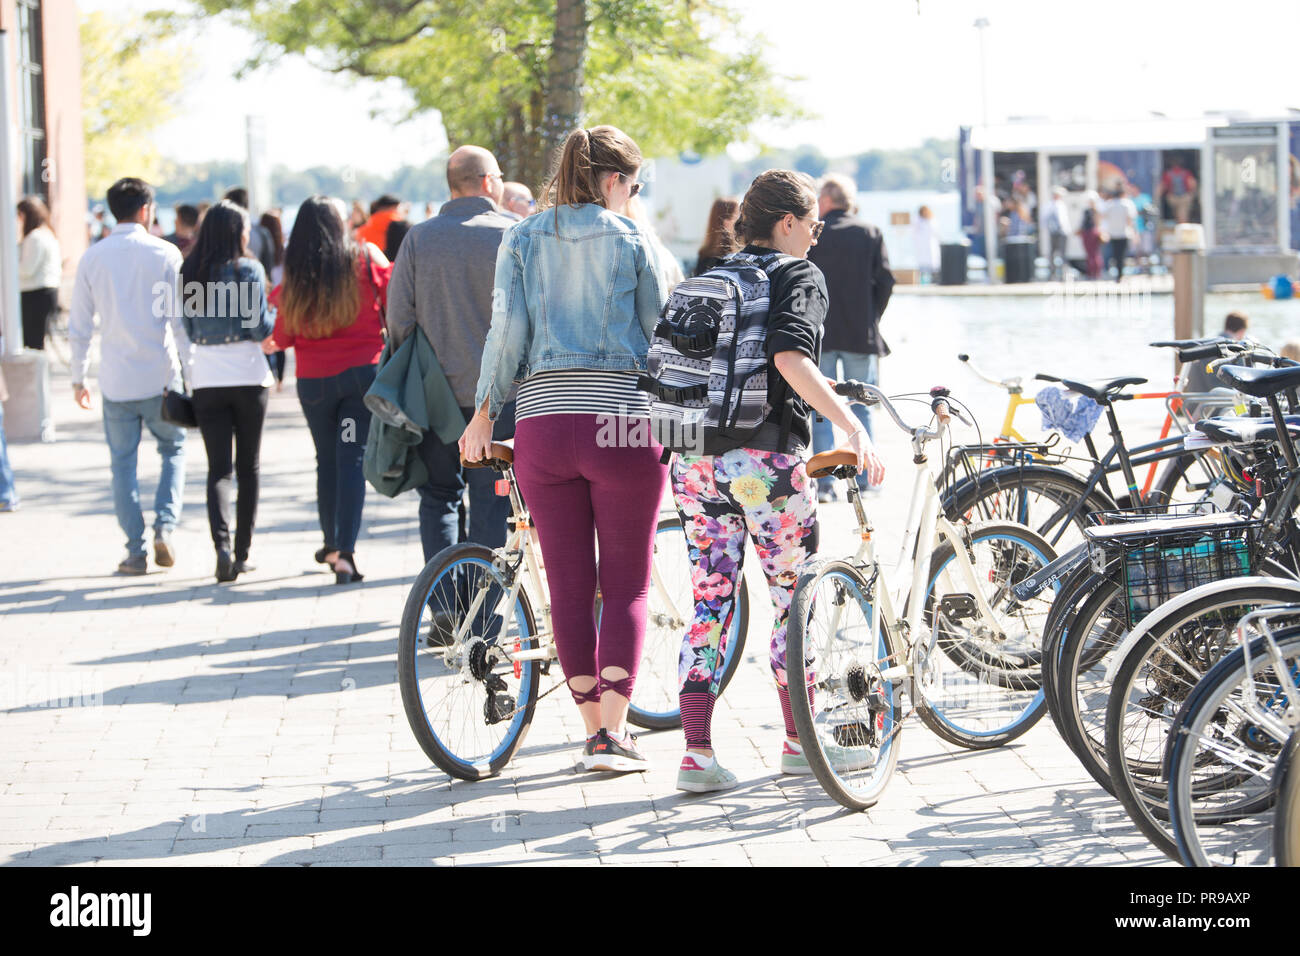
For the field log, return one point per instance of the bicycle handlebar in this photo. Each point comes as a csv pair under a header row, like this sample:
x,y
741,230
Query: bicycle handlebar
x,y
1009,384
865,394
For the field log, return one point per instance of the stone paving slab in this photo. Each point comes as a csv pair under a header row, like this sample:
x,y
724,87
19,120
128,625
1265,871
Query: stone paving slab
x,y
166,719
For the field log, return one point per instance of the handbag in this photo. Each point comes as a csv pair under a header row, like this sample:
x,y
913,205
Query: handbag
x,y
178,409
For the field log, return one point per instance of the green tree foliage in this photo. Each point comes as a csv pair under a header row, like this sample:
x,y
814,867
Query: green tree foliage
x,y
517,75
132,76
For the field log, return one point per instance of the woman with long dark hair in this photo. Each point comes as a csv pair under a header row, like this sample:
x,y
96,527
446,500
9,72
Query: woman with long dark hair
x,y
761,491
331,313
717,235
223,290
40,268
577,298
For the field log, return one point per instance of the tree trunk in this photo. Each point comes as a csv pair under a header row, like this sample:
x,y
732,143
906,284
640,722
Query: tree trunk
x,y
564,76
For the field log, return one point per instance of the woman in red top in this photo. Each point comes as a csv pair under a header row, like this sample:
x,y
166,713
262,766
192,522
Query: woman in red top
x,y
331,313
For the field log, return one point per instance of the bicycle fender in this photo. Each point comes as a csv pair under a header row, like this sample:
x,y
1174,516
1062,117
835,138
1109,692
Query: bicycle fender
x,y
1049,574
1183,600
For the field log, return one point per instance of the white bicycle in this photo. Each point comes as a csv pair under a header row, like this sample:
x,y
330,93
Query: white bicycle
x,y
963,654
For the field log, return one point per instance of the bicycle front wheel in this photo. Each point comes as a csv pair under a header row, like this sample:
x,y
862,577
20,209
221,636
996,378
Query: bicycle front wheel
x,y
837,646
979,682
1222,762
655,703
468,704
1153,681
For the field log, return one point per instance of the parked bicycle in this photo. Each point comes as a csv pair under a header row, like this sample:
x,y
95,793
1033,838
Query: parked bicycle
x,y
946,640
1228,741
476,640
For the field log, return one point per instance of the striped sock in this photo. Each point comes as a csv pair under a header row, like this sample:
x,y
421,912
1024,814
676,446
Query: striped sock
x,y
784,693
697,717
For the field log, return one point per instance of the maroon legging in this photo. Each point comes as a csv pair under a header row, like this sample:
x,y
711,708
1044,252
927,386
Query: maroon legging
x,y
580,493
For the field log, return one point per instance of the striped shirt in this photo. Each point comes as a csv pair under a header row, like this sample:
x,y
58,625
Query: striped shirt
x,y
582,392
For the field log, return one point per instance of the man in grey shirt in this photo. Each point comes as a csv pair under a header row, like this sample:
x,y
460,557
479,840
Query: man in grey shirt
x,y
442,283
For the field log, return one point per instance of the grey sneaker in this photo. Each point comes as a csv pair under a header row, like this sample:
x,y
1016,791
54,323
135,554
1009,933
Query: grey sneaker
x,y
843,759
693,778
134,564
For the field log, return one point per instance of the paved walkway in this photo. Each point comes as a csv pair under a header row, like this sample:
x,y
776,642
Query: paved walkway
x,y
168,719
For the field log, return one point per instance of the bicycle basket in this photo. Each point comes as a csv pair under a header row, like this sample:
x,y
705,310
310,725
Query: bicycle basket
x,y
1157,557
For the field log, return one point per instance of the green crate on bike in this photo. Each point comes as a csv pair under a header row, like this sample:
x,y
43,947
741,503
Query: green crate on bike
x,y
1155,557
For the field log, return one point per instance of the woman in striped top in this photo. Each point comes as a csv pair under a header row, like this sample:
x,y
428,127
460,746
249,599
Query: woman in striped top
x,y
577,298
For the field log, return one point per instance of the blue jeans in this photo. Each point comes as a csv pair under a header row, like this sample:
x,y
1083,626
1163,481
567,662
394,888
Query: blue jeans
x,y
863,367
122,421
441,523
8,493
340,424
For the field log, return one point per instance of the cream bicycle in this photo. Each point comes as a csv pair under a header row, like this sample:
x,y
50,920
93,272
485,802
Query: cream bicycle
x,y
964,653
476,640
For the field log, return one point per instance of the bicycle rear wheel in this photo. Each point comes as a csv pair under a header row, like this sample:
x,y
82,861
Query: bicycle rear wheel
x,y
1040,497
655,703
1223,764
838,647
468,705
979,683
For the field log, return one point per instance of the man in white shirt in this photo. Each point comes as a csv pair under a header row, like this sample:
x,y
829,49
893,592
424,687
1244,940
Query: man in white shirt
x,y
1117,218
129,279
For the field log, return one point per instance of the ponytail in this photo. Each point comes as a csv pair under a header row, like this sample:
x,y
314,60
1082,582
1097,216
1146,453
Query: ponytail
x,y
586,156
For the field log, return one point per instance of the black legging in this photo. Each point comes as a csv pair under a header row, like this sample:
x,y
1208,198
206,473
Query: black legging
x,y
229,413
1118,249
37,307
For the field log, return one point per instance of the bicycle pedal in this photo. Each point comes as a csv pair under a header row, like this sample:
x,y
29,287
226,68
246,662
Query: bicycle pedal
x,y
957,607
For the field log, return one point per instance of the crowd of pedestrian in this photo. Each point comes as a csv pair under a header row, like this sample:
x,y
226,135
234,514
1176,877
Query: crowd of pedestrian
x,y
523,318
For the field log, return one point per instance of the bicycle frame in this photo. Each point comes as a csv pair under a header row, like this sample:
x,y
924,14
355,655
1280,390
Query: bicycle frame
x,y
1175,417
523,541
925,526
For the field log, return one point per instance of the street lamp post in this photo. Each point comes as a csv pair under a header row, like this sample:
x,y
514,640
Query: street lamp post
x,y
988,212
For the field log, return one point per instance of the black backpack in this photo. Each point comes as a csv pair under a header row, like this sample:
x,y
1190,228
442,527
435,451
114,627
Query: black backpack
x,y
707,366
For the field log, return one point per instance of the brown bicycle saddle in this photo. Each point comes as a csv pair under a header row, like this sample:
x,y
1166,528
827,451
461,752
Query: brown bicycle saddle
x,y
500,457
823,464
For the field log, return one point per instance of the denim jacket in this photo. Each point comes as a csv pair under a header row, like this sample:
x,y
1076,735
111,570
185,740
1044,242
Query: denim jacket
x,y
584,295
231,308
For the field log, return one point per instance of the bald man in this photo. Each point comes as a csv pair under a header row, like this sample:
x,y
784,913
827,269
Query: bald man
x,y
519,200
442,284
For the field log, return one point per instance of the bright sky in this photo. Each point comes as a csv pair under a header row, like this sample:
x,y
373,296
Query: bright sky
x,y
879,73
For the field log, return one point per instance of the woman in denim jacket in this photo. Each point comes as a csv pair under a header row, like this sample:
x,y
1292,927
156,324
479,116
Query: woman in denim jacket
x,y
576,300
223,293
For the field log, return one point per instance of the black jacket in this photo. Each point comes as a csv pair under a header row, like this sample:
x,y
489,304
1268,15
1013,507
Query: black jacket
x,y
852,257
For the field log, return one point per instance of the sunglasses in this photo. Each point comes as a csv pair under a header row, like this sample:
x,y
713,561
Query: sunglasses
x,y
635,188
815,226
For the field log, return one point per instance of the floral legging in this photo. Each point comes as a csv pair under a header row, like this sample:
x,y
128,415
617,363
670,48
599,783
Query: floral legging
x,y
721,499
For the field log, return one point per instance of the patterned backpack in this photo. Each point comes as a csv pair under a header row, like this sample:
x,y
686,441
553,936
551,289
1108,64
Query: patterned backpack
x,y
707,367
